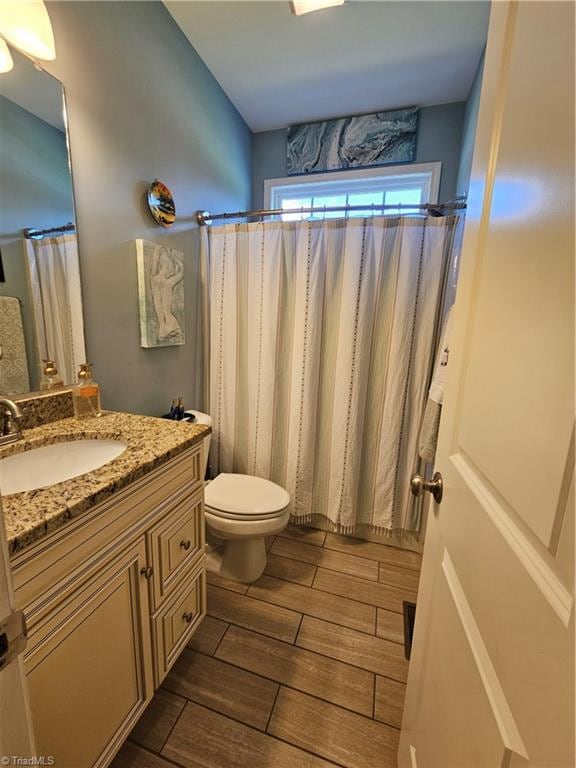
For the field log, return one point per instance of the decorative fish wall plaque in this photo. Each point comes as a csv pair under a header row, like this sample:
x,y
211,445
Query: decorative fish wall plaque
x,y
161,204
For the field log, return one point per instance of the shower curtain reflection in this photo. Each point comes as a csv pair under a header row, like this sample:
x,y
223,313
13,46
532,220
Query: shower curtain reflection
x,y
57,299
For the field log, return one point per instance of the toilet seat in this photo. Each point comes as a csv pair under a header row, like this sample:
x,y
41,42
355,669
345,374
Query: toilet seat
x,y
231,516
244,497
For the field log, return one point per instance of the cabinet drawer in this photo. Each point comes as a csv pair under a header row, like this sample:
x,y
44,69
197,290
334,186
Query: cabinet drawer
x,y
174,624
174,543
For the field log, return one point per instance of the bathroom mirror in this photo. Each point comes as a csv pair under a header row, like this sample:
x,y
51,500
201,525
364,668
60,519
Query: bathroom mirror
x,y
40,293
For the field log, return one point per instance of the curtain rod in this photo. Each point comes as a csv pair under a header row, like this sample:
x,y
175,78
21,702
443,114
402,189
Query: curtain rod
x,y
38,234
434,209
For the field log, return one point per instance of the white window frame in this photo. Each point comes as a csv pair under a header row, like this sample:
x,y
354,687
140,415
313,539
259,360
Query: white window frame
x,y
338,182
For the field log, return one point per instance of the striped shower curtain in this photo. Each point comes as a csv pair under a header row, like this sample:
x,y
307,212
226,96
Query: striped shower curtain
x,y
57,301
321,342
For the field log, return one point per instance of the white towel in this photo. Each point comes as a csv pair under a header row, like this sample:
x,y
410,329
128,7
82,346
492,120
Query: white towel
x,y
430,423
14,378
436,392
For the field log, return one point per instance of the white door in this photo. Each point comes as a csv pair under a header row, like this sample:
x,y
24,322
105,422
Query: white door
x,y
491,675
16,738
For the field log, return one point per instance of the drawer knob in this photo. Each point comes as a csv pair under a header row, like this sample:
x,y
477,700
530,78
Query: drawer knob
x,y
186,544
147,571
188,616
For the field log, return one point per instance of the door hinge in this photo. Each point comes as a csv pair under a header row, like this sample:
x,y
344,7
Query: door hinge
x,y
13,637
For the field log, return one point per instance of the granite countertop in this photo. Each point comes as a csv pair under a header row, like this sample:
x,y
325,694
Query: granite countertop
x,y
30,515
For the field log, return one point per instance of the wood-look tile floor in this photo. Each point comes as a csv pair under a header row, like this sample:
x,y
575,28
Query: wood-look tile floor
x,y
303,669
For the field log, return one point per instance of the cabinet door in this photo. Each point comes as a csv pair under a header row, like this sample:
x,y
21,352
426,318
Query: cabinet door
x,y
89,667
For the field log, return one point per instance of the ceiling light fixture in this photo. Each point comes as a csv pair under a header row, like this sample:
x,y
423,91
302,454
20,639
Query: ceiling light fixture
x,y
26,25
298,7
6,61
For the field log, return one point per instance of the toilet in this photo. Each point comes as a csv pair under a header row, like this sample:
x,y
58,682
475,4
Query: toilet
x,y
240,511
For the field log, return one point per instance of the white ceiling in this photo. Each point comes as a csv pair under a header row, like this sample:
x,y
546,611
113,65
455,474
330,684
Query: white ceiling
x,y
279,69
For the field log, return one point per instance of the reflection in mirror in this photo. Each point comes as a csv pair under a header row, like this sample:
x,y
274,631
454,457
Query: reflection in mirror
x,y
40,292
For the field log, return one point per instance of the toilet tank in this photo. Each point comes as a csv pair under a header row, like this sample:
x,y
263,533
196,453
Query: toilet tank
x,y
203,418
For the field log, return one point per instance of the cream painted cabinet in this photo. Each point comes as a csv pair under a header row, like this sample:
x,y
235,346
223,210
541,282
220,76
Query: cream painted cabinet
x,y
175,622
89,668
110,600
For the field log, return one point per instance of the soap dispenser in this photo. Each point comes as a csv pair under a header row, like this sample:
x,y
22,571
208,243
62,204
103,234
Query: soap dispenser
x,y
86,394
50,378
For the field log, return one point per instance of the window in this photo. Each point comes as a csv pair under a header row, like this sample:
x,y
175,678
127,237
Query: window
x,y
395,185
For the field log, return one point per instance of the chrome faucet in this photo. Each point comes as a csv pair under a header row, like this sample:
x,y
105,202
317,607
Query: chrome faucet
x,y
10,418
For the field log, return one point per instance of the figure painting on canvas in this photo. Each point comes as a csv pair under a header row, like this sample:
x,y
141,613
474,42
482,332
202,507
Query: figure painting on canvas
x,y
161,293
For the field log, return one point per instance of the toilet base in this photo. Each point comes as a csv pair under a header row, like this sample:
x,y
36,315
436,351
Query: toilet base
x,y
241,560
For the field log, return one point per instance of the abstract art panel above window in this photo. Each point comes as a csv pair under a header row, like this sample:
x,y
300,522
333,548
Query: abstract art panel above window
x,y
353,142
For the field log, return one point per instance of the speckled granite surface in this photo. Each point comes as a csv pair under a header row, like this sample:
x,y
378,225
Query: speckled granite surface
x,y
32,514
44,407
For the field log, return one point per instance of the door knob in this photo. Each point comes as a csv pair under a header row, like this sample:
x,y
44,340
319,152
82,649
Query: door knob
x,y
418,485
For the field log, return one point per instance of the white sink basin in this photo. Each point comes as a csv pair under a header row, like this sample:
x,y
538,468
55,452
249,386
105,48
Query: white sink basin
x,y
50,464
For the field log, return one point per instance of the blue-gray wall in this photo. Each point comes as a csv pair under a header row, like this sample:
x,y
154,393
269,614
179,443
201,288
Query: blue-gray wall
x,y
439,139
142,105
35,185
469,131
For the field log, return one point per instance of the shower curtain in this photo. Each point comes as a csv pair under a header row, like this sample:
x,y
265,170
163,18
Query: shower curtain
x,y
321,336
57,299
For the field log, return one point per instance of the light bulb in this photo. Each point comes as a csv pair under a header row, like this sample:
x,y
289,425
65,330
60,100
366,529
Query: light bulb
x,y
298,7
6,62
26,25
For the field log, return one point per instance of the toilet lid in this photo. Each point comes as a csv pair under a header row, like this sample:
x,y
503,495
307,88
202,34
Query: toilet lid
x,y
245,496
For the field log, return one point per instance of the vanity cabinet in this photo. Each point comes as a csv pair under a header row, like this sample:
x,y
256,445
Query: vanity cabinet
x,y
110,599
88,666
